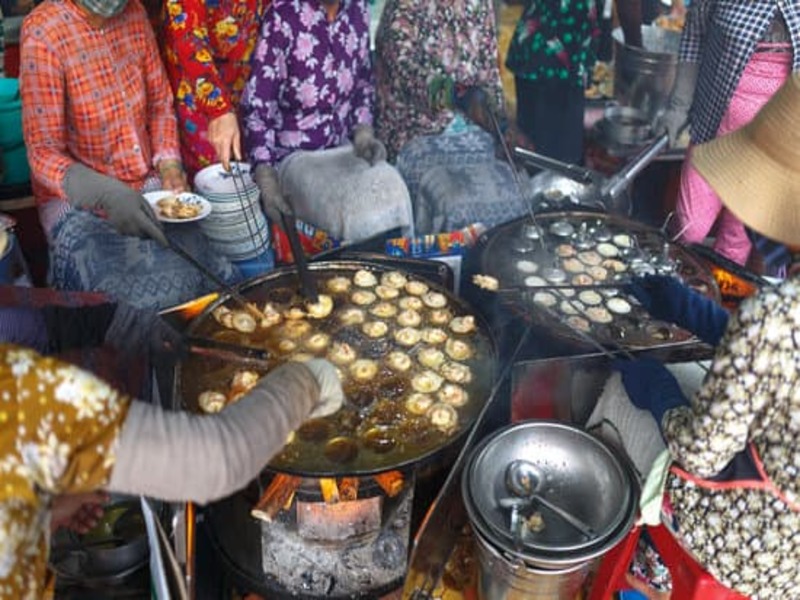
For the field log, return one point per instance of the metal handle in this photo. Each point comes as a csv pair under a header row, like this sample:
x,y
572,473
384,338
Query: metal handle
x,y
620,181
541,161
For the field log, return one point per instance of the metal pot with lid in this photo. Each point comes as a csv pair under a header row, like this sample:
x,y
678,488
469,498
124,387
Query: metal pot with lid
x,y
545,498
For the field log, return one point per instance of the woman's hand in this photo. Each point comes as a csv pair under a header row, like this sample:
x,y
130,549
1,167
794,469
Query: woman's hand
x,y
78,512
173,177
224,135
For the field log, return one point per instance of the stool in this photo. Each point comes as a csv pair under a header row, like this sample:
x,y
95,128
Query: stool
x,y
689,580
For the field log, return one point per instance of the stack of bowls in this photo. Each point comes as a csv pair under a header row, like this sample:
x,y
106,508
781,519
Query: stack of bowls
x,y
236,226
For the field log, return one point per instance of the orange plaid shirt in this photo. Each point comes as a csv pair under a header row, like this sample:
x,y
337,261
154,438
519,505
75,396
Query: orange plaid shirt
x,y
94,95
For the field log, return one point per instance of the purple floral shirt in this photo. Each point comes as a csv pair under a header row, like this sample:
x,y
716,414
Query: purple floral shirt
x,y
311,79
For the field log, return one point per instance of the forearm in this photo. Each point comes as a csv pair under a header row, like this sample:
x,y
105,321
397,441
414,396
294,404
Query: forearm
x,y
163,125
177,456
363,99
630,19
43,118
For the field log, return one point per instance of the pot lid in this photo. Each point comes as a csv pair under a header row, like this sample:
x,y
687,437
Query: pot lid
x,y
546,488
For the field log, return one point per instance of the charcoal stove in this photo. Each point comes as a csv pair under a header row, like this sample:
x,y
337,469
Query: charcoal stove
x,y
318,523
296,537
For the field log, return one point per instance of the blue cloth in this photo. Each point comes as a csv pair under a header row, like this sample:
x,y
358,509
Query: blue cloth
x,y
669,299
650,386
87,254
775,255
23,327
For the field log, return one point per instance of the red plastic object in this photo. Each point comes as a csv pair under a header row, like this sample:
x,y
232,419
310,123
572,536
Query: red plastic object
x,y
689,580
11,61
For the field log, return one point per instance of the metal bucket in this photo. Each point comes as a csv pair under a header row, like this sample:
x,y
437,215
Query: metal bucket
x,y
502,577
643,77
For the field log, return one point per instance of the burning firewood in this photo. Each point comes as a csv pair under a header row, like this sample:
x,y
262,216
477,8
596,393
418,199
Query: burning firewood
x,y
348,488
277,496
391,482
330,491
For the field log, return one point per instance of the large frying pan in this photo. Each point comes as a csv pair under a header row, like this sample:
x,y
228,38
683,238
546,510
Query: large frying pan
x,y
503,250
379,403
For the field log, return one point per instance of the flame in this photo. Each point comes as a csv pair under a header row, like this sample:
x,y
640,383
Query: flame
x,y
191,309
731,285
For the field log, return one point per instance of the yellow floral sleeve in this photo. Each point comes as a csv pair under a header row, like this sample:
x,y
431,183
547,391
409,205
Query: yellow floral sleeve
x,y
58,430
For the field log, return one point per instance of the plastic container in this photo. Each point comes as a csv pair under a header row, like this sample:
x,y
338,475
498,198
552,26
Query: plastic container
x,y
10,114
15,160
15,169
257,266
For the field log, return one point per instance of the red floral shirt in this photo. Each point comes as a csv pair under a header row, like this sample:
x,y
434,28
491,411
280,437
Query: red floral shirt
x,y
207,49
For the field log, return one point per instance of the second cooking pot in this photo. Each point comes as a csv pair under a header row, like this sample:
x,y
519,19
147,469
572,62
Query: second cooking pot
x,y
570,472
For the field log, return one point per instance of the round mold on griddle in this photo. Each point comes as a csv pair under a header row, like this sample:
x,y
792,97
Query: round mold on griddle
x,y
535,281
554,275
562,229
531,231
522,246
602,234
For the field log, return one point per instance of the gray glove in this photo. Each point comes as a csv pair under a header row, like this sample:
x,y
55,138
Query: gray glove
x,y
136,330
676,117
126,209
331,396
179,457
272,198
367,146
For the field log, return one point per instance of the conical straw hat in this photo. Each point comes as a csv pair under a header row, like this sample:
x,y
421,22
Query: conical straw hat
x,y
756,170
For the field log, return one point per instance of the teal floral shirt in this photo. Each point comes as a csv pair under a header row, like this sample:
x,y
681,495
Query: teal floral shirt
x,y
553,40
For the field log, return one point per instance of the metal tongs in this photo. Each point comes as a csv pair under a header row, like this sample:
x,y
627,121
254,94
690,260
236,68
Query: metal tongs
x,y
307,284
236,296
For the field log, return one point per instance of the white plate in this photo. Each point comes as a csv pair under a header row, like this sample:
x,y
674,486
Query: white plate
x,y
185,197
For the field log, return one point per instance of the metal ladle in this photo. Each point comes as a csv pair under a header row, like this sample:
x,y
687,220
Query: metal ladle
x,y
523,479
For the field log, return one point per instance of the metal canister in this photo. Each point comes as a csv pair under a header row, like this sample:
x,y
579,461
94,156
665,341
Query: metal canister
x,y
643,77
583,502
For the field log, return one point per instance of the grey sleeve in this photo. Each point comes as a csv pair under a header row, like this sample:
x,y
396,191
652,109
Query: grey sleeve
x,y
178,456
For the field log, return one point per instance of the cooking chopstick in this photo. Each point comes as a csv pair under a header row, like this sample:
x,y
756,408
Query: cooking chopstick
x,y
560,286
248,306
307,285
248,351
228,352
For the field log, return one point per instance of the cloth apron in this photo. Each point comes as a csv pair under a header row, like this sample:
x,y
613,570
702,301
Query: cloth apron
x,y
698,206
745,471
